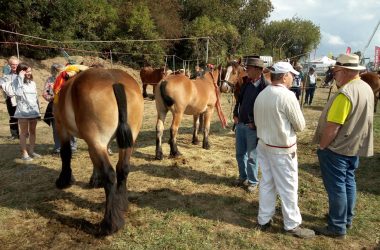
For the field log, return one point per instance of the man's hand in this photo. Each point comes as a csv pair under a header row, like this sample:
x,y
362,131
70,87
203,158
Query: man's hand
x,y
236,120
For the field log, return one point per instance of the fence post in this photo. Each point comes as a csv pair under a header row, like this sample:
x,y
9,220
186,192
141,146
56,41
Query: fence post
x,y
18,53
111,59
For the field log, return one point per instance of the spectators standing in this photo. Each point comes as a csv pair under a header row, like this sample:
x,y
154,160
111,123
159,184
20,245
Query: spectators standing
x,y
344,132
10,99
27,110
245,129
48,95
310,85
297,82
278,117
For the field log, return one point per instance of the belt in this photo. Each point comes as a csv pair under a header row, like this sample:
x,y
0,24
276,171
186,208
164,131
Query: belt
x,y
273,146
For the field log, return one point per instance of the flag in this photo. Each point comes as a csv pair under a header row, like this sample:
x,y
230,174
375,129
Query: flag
x,y
377,57
348,50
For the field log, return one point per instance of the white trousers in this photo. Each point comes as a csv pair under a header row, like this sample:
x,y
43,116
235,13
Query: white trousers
x,y
279,175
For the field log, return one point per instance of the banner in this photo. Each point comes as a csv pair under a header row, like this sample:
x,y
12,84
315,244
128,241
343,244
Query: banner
x,y
348,50
377,57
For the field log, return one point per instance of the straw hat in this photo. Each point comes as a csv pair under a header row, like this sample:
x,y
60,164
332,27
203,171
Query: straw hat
x,y
350,61
255,62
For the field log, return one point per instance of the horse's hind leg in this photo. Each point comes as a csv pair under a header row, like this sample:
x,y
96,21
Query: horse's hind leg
x,y
195,140
159,132
206,131
116,200
65,178
177,117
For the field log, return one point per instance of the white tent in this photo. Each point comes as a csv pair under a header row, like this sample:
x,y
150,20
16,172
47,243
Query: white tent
x,y
325,61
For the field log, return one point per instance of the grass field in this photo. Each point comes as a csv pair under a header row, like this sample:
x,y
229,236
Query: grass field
x,y
184,203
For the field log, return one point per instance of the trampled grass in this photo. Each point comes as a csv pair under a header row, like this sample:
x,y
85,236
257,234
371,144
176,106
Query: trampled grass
x,y
184,203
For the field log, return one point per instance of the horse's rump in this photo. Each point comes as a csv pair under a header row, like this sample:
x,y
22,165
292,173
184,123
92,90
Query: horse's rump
x,y
87,104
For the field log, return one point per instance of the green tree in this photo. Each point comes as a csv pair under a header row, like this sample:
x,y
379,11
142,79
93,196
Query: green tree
x,y
290,37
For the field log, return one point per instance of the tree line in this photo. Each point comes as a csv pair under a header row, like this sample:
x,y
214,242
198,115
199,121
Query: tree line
x,y
234,27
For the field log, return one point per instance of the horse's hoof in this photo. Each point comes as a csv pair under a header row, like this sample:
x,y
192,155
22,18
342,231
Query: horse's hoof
x,y
159,156
95,183
175,155
61,183
195,142
107,228
206,146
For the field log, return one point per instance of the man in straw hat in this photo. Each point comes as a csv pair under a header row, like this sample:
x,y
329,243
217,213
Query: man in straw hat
x,y
245,130
344,133
278,117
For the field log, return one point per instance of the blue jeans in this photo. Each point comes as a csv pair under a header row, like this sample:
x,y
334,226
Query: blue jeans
x,y
57,141
338,174
246,142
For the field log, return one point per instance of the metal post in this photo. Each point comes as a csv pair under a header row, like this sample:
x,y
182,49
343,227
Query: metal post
x,y
111,59
18,53
173,63
208,39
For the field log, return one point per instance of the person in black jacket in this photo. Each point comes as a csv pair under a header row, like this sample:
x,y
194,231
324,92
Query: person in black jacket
x,y
245,129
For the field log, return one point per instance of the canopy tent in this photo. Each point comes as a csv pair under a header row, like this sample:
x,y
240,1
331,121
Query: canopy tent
x,y
325,61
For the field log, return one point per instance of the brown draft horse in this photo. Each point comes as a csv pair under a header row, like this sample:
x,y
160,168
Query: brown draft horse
x,y
181,95
371,78
98,105
151,76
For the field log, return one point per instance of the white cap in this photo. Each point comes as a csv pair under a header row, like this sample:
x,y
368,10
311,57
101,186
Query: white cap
x,y
283,67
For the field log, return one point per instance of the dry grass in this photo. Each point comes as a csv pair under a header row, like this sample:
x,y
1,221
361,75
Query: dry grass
x,y
185,203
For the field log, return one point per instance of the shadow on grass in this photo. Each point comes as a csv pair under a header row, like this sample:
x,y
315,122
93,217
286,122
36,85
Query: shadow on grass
x,y
147,138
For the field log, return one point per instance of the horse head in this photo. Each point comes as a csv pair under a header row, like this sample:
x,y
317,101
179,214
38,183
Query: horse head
x,y
231,76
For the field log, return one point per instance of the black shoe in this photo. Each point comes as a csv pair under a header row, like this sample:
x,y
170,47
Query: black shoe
x,y
326,232
349,226
266,226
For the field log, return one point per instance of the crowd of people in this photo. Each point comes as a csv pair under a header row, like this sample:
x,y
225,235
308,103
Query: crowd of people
x,y
267,117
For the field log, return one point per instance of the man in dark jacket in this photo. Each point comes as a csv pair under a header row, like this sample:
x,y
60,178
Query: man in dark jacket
x,y
245,130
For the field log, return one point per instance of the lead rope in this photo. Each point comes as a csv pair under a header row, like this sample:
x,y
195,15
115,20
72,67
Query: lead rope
x,y
221,116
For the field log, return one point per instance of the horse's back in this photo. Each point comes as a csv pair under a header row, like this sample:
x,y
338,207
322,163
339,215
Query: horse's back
x,y
189,96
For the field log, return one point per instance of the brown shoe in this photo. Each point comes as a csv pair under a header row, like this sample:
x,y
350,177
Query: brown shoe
x,y
301,232
240,182
251,188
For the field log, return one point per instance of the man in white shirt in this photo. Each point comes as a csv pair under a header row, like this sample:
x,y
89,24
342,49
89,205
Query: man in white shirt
x,y
278,116
10,99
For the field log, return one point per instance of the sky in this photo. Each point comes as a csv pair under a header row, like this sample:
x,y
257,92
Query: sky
x,y
343,23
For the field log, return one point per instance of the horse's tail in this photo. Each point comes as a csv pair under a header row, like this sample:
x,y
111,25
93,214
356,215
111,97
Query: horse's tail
x,y
167,99
124,136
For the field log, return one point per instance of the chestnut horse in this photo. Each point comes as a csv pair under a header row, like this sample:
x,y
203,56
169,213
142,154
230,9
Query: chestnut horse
x,y
151,76
371,78
181,95
98,105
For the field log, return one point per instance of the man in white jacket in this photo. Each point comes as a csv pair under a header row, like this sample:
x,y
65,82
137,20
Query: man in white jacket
x,y
10,99
278,117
